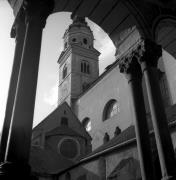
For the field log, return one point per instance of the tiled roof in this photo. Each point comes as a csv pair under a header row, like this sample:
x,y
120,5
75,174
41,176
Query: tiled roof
x,y
47,161
131,168
125,135
63,130
50,121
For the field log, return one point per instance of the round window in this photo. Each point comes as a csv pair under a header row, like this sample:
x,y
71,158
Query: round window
x,y
69,148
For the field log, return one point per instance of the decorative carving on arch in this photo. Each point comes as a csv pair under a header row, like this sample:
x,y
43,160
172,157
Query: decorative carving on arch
x,y
145,50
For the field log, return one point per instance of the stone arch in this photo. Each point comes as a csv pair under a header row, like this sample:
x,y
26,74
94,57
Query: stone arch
x,y
164,33
117,18
124,16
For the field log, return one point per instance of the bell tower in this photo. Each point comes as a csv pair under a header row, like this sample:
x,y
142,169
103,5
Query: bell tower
x,y
78,62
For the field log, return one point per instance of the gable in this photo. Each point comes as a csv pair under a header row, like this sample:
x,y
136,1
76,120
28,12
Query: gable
x,y
53,120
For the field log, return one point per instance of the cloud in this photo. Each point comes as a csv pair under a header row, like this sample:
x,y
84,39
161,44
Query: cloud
x,y
51,97
107,48
104,45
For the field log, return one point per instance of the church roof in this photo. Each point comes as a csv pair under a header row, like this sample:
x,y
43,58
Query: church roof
x,y
127,169
52,121
125,135
47,161
63,130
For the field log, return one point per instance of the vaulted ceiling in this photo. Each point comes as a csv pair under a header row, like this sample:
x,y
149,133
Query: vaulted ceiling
x,y
116,16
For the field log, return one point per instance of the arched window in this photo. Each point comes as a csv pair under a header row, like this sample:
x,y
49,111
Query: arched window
x,y
85,67
64,121
111,109
64,74
74,40
87,124
85,41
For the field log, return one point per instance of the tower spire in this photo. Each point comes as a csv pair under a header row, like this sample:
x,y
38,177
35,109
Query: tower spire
x,y
79,19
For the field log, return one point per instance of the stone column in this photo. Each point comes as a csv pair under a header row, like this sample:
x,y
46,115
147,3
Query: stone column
x,y
18,31
19,140
148,55
131,68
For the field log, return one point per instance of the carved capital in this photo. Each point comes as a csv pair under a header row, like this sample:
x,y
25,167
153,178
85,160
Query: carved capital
x,y
130,67
38,11
149,52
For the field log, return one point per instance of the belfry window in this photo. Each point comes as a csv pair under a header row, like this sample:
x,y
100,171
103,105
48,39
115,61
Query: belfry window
x,y
64,74
85,41
111,109
85,67
74,40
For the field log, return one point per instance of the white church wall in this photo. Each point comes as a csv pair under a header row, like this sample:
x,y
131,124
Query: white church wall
x,y
92,103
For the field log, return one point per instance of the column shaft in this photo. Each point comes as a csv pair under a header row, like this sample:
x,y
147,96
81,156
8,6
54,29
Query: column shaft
x,y
134,76
160,124
141,129
20,33
19,139
22,118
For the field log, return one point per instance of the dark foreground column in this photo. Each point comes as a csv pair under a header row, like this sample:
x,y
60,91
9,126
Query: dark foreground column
x,y
149,53
131,68
19,140
18,31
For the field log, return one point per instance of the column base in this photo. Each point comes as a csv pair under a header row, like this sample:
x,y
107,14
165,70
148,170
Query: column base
x,y
11,170
169,178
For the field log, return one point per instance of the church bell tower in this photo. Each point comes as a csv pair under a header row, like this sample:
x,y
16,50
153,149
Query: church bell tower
x,y
78,62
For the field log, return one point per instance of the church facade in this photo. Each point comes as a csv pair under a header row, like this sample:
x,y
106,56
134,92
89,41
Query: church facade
x,y
91,133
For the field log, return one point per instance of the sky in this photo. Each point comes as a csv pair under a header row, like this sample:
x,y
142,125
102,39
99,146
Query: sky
x,y
52,45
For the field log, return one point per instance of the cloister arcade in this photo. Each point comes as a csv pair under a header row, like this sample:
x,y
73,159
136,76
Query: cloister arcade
x,y
155,22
